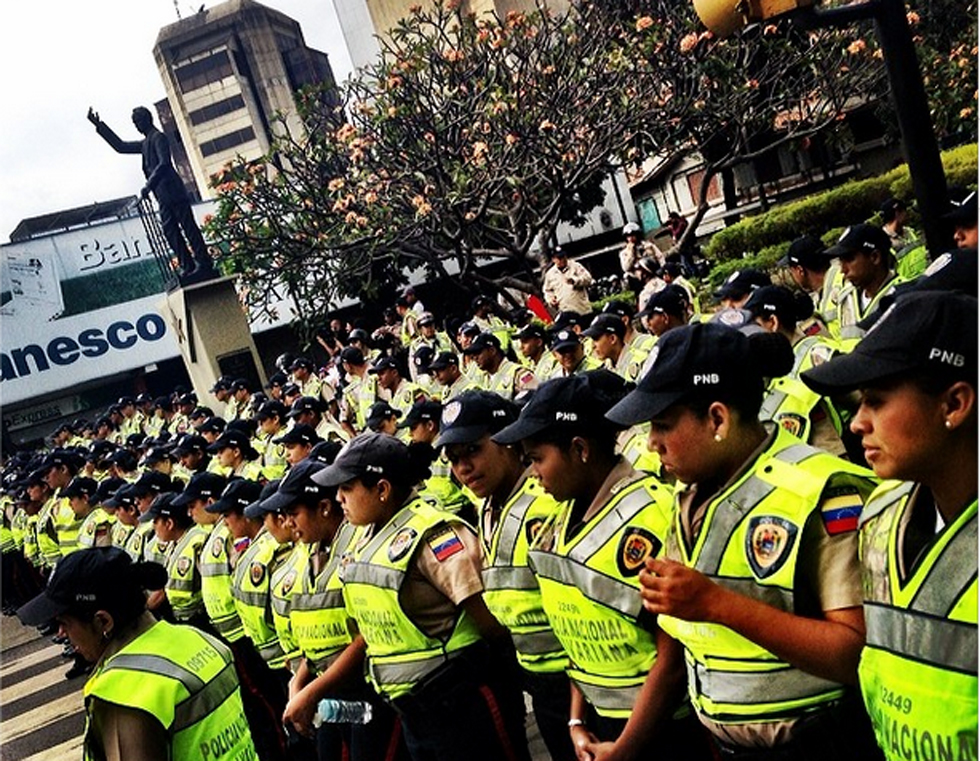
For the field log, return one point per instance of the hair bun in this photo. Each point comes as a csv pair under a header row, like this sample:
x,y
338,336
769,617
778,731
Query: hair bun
x,y
802,306
150,575
771,354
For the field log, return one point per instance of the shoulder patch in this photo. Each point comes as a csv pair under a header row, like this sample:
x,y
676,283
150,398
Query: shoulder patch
x,y
183,566
635,547
768,544
524,377
401,543
256,573
793,423
287,583
445,543
217,546
840,513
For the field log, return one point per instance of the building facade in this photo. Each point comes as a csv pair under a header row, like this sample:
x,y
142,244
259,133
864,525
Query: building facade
x,y
227,71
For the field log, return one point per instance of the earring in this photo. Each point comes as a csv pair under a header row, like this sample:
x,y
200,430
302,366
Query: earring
x,y
326,513
585,459
949,425
106,634
719,438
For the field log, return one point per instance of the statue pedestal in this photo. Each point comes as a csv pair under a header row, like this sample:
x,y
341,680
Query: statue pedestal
x,y
213,334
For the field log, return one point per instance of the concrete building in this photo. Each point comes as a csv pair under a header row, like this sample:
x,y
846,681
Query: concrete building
x,y
227,71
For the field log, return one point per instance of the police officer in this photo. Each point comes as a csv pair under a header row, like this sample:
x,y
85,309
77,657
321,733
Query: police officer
x,y
414,589
445,369
588,561
759,584
917,374
532,340
501,375
514,510
570,351
608,334
158,692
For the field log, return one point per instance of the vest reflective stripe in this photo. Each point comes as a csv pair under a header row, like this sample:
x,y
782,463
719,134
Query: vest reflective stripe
x,y
252,598
918,670
282,589
183,576
732,679
198,704
88,532
317,613
942,643
511,589
399,654
788,395
593,606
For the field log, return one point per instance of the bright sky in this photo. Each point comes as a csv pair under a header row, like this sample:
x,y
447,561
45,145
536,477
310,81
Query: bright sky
x,y
58,58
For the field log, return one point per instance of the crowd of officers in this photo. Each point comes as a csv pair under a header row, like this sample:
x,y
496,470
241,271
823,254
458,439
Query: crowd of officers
x,y
657,523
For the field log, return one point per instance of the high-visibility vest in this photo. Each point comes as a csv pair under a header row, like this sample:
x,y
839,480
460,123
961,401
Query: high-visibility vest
x,y
789,401
184,575
636,450
95,525
316,609
120,533
850,311
399,654
184,679
155,550
19,526
141,533
918,669
750,544
511,589
590,590
8,543
441,490
282,587
216,584
47,533
250,590
510,379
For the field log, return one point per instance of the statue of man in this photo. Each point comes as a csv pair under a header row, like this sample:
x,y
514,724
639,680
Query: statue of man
x,y
168,189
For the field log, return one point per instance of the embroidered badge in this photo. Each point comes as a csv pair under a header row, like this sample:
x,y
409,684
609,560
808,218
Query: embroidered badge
x,y
635,547
402,542
183,566
256,573
768,543
450,412
217,546
445,544
532,528
90,528
287,583
793,423
840,513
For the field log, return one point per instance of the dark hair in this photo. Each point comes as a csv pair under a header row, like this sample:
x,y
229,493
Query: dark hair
x,y
770,356
128,595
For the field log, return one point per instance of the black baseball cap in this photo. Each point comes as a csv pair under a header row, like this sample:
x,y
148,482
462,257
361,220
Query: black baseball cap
x,y
92,578
379,412
291,389
81,486
481,342
533,330
377,453
190,442
124,459
155,454
304,404
107,487
221,384
963,212
201,486
235,438
300,362
276,379
189,398
271,408
606,324
240,383
472,415
931,332
213,424
807,252
423,358
425,409
70,459
154,482
325,451
124,495
298,483
861,238
469,329
443,360
237,495
670,300
569,319
301,433
383,363
564,339
352,356
686,360
741,283
619,308
164,506
577,402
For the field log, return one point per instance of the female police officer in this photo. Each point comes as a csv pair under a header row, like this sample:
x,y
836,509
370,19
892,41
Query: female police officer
x,y
917,373
159,691
760,582
413,588
588,561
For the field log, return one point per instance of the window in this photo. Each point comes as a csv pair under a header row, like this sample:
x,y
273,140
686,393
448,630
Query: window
x,y
225,142
213,111
195,75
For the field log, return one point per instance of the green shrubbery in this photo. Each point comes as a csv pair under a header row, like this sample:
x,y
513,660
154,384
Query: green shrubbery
x,y
761,240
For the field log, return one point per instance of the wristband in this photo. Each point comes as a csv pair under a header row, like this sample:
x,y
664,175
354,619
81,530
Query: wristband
x,y
575,723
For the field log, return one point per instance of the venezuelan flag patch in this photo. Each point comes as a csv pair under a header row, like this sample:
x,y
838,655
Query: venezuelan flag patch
x,y
445,544
840,513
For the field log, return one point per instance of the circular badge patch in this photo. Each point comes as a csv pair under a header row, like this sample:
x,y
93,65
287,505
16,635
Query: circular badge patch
x,y
402,543
287,583
256,573
183,566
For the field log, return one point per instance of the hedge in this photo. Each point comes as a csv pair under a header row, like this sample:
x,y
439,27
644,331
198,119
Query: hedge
x,y
762,239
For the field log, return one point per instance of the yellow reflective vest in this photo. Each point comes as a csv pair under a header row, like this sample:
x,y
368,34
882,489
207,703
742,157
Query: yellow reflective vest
x,y
186,680
511,589
750,544
590,591
918,670
399,654
184,574
216,584
250,589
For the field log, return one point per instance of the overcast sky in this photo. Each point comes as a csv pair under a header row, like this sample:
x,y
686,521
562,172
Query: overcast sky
x,y
58,58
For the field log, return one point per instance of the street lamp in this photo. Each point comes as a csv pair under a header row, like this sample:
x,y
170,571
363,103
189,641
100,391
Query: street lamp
x,y
725,17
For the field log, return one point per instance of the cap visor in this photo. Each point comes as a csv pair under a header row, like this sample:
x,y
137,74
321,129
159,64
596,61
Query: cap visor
x,y
276,503
334,475
519,430
639,406
148,516
218,506
835,251
40,610
183,499
464,434
850,371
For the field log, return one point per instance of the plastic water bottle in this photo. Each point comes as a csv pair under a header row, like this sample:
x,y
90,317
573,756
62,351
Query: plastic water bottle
x,y
332,711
